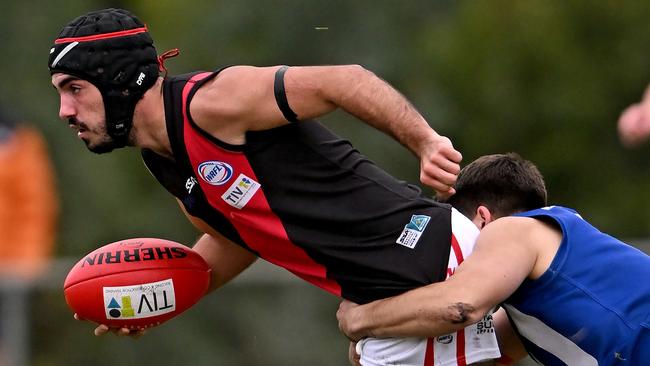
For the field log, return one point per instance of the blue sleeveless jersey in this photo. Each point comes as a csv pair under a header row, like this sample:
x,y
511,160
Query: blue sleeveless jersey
x,y
592,306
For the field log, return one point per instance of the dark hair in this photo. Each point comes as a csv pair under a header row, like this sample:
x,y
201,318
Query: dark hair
x,y
504,183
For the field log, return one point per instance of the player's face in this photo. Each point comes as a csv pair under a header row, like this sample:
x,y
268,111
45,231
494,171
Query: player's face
x,y
83,107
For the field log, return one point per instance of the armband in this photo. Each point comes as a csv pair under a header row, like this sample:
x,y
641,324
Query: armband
x,y
281,95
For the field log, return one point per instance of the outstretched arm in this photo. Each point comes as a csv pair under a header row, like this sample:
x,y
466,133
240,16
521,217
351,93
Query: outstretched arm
x,y
246,101
501,260
362,94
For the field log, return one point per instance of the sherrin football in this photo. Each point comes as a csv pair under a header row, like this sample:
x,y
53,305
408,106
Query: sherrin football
x,y
136,283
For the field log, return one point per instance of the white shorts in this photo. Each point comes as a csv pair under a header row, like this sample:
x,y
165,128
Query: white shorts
x,y
475,343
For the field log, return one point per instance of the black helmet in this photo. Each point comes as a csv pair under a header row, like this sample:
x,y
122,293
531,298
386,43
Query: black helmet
x,y
113,50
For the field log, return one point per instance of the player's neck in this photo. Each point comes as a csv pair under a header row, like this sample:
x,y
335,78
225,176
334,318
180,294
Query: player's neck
x,y
149,127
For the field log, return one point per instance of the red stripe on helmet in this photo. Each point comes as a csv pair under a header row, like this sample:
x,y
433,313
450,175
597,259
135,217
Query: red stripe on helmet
x,y
96,37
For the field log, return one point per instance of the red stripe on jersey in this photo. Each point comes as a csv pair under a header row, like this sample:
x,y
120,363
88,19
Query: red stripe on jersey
x,y
96,37
457,251
460,348
460,335
255,221
428,355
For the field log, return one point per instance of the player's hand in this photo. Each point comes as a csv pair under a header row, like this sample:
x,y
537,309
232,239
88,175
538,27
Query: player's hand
x,y
634,125
634,122
439,166
345,316
353,356
120,332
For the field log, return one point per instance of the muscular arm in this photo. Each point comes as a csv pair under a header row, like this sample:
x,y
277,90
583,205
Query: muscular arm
x,y
506,253
362,94
241,99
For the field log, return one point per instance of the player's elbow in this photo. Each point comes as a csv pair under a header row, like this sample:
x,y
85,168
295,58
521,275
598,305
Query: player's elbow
x,y
462,313
361,74
354,74
350,83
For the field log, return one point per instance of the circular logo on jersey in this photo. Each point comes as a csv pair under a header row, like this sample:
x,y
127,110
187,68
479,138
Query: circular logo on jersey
x,y
445,339
215,172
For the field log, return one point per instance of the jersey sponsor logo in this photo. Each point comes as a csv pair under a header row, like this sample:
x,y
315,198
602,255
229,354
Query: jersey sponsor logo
x,y
139,301
445,339
241,191
485,325
413,230
214,172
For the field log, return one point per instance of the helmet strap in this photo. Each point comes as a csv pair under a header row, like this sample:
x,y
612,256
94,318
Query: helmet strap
x,y
161,59
119,117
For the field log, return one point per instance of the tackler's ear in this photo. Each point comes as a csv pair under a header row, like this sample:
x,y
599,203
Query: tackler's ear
x,y
482,217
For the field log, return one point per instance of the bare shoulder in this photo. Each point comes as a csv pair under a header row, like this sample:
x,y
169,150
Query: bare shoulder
x,y
522,226
540,238
238,99
231,90
511,226
241,78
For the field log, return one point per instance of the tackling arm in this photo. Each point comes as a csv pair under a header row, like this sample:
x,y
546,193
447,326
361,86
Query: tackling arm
x,y
501,260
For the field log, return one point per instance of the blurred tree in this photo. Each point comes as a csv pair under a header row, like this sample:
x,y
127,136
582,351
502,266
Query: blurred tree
x,y
548,79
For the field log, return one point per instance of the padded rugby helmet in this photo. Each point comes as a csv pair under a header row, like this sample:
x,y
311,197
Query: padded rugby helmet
x,y
113,50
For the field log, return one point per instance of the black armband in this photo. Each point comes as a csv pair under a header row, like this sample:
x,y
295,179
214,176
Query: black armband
x,y
281,95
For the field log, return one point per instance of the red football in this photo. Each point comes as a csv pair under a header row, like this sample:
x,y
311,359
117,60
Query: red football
x,y
136,283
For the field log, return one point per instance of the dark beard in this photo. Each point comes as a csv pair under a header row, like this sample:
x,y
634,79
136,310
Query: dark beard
x,y
103,147
106,145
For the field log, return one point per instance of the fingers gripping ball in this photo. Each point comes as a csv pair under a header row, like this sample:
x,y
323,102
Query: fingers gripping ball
x,y
136,283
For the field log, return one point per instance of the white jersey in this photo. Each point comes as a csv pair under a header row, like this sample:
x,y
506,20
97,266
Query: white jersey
x,y
475,343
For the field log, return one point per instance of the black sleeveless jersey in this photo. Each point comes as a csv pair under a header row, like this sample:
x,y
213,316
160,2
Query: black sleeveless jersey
x,y
303,198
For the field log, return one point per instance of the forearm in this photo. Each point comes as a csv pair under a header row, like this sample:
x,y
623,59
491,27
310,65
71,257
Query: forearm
x,y
418,313
317,90
226,259
377,103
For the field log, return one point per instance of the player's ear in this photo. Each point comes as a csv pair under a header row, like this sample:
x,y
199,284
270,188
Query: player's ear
x,y
482,217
